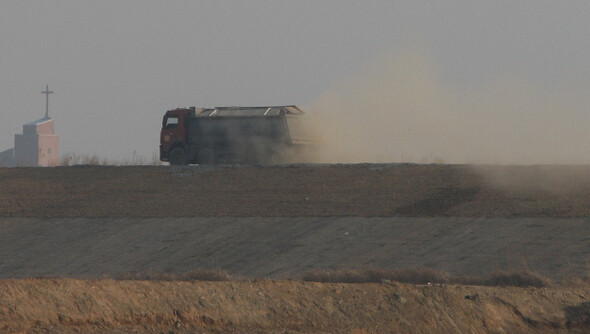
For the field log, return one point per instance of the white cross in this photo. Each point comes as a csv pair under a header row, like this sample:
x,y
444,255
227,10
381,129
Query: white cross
x,y
47,92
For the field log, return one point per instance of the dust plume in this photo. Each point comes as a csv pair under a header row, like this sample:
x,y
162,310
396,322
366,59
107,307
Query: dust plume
x,y
400,109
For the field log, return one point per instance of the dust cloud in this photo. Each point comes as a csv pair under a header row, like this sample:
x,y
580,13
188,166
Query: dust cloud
x,y
399,109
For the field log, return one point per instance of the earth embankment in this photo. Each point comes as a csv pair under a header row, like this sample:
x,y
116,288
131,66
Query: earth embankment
x,y
264,306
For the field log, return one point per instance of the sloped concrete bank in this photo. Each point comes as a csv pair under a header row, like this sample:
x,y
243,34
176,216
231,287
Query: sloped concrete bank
x,y
284,247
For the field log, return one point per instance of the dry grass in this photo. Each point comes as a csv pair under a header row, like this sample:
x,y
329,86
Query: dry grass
x,y
352,276
263,306
415,276
198,275
428,276
72,159
412,276
522,278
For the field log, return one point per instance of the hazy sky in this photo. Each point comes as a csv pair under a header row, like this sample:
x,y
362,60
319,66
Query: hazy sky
x,y
117,66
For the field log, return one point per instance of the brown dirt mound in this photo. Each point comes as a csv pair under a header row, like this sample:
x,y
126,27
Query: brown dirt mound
x,y
106,306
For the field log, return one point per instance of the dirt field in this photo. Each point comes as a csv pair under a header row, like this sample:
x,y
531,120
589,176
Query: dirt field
x,y
331,190
278,222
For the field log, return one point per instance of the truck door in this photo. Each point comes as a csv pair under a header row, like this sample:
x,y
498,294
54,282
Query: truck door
x,y
173,130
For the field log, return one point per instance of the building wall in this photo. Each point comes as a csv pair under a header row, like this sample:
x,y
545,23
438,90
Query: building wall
x,y
46,128
37,145
7,158
26,148
48,150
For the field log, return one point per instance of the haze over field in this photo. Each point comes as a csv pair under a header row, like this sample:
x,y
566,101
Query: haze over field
x,y
493,82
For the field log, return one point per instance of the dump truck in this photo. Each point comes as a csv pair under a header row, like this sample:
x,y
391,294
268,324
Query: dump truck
x,y
257,135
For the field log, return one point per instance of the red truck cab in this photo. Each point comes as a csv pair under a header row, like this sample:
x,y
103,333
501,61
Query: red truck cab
x,y
173,133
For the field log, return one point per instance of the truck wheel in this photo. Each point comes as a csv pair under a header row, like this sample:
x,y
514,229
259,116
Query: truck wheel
x,y
206,156
177,156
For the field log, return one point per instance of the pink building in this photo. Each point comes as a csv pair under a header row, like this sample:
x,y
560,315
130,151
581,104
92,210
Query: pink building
x,y
38,145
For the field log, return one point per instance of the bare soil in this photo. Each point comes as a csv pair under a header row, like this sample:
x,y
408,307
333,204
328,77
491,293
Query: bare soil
x,y
264,306
279,221
297,190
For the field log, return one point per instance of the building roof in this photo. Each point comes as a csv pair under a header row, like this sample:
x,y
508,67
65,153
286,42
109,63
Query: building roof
x,y
39,121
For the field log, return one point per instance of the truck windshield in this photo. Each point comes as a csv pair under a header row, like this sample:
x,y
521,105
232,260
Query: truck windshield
x,y
171,122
